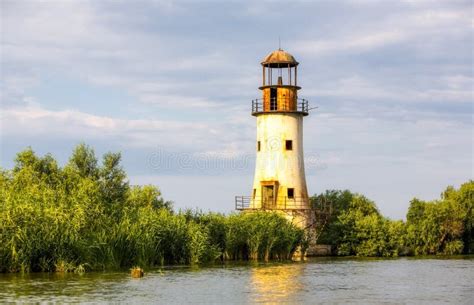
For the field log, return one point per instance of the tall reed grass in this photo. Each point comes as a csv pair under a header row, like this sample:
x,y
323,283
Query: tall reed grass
x,y
85,216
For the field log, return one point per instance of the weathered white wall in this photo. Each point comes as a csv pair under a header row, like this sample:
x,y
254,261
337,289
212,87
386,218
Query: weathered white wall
x,y
274,162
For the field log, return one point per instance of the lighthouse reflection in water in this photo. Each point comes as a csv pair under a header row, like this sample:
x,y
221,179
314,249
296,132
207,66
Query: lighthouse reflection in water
x,y
276,284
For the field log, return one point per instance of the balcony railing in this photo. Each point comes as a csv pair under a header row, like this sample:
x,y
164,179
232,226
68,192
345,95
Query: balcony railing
x,y
281,203
280,105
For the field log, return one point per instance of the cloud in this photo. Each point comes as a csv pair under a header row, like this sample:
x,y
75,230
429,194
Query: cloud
x,y
14,88
176,101
393,29
92,49
364,42
449,89
175,136
31,121
393,81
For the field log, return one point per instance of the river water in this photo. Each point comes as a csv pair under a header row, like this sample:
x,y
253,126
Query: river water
x,y
316,281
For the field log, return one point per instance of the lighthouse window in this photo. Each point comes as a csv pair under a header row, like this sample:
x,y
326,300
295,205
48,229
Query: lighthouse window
x,y
258,145
254,193
291,193
289,144
273,99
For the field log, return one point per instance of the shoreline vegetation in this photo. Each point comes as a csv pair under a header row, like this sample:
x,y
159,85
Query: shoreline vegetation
x,y
85,216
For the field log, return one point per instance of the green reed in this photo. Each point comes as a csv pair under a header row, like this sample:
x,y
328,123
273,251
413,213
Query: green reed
x,y
86,216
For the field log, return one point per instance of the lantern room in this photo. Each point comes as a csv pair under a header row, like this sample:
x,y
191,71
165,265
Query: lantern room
x,y
279,85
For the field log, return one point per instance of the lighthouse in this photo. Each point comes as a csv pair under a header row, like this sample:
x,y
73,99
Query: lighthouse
x,y
279,182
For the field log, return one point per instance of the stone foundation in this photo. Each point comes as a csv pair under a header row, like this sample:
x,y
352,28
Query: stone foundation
x,y
319,250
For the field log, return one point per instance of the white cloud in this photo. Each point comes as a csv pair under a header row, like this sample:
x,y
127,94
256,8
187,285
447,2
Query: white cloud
x,y
222,138
30,121
13,90
189,72
450,88
74,38
65,24
394,29
176,101
350,43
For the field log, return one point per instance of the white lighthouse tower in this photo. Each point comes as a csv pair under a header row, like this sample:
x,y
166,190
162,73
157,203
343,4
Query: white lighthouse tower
x,y
279,182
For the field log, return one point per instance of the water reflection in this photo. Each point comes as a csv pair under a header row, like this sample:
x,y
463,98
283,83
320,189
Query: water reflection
x,y
276,284
334,281
61,287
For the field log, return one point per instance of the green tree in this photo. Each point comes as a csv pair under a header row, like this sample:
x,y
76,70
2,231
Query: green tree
x,y
339,201
360,223
113,179
84,162
465,197
357,228
442,226
148,195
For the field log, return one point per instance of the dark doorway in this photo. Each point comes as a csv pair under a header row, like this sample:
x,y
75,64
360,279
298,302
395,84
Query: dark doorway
x,y
273,99
268,198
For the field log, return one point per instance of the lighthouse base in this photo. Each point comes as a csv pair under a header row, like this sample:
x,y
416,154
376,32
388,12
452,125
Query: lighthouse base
x,y
304,219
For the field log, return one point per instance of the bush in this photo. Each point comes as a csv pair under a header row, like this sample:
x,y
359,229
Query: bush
x,y
444,226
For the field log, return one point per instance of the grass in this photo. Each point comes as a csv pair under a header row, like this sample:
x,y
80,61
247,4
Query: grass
x,y
84,216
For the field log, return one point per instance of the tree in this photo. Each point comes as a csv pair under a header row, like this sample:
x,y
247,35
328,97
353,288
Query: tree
x,y
361,224
356,227
148,196
113,182
84,162
442,226
339,202
465,197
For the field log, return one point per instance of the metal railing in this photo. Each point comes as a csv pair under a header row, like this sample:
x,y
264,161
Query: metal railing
x,y
280,203
281,105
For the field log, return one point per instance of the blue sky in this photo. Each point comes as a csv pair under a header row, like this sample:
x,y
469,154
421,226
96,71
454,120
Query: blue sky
x,y
170,84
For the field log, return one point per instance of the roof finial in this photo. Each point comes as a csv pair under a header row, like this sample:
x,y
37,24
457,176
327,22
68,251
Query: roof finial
x,y
279,43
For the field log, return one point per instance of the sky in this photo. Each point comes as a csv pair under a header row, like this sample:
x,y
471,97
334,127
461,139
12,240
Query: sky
x,y
169,84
